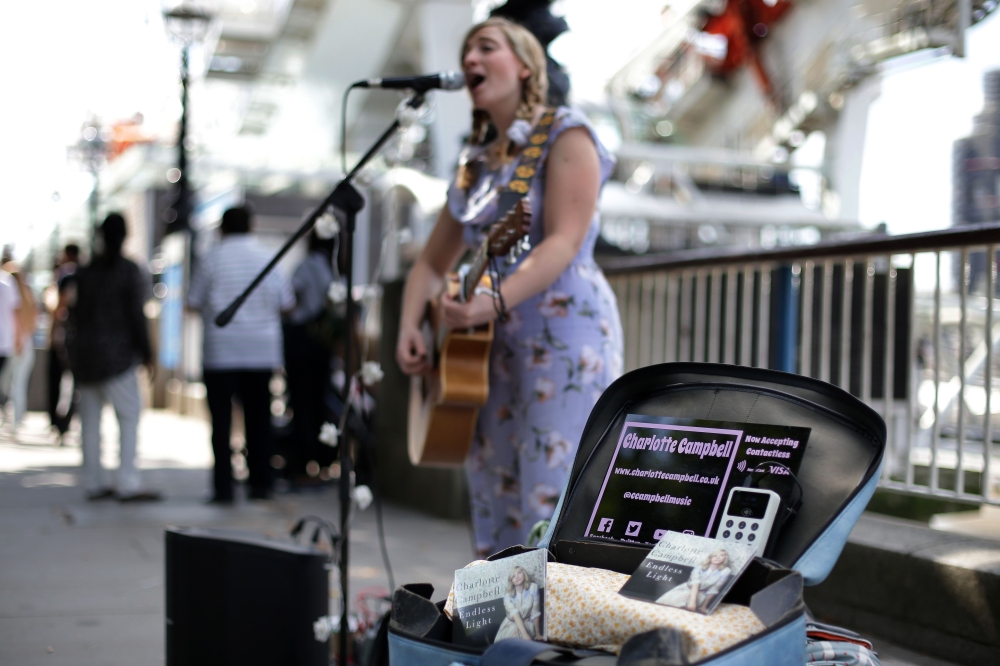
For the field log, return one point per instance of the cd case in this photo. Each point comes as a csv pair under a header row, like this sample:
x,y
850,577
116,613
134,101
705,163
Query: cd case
x,y
689,572
499,600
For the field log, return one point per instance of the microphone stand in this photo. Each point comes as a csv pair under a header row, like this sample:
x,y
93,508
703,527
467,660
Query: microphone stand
x,y
347,198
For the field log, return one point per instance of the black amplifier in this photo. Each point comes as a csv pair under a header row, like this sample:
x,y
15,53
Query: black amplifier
x,y
235,598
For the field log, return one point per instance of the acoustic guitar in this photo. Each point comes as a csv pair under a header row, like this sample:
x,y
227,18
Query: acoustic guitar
x,y
444,405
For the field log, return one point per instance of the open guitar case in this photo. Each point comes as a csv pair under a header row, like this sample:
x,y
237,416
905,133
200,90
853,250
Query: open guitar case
x,y
838,473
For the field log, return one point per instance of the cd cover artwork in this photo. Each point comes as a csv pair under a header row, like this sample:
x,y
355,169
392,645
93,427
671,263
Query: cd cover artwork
x,y
499,600
689,572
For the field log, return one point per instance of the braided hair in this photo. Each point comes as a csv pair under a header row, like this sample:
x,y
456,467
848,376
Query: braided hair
x,y
533,90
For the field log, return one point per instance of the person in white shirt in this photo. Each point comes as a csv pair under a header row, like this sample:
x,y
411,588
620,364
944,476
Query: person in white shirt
x,y
239,359
17,371
10,301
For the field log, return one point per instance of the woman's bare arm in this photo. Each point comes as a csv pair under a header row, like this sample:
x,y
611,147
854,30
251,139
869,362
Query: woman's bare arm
x,y
519,623
425,281
572,185
693,597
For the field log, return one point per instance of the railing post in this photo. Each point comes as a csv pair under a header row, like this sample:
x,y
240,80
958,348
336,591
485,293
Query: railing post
x,y
700,314
660,323
787,303
912,426
686,332
632,330
646,321
846,313
715,318
963,322
730,335
673,317
805,343
866,339
826,321
746,334
986,478
936,432
619,285
764,325
888,365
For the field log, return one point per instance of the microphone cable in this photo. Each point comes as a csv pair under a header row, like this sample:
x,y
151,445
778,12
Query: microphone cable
x,y
343,126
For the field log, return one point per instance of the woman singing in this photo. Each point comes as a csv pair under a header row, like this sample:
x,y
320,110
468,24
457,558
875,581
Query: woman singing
x,y
561,343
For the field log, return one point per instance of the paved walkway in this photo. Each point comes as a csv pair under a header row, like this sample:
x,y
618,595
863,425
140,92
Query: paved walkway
x,y
81,583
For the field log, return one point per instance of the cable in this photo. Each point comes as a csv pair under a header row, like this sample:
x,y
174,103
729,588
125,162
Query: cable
x,y
381,536
793,507
498,305
789,510
343,130
321,525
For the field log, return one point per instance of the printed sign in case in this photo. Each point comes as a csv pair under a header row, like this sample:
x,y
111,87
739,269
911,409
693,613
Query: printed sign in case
x,y
675,474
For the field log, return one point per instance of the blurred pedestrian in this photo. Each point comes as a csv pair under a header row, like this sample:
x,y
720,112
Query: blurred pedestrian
x,y
307,359
60,377
10,301
107,338
17,371
238,360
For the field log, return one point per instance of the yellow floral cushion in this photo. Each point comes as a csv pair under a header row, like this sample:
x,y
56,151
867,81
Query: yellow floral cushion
x,y
584,610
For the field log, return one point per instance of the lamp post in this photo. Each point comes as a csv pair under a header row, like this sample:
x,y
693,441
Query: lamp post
x,y
91,151
188,25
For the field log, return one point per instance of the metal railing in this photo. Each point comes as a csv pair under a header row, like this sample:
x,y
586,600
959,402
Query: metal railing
x,y
905,323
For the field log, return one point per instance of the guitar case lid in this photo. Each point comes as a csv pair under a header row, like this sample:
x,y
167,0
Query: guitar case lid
x,y
838,472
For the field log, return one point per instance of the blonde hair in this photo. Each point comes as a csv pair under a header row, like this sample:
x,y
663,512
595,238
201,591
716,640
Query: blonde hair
x,y
510,580
708,560
531,54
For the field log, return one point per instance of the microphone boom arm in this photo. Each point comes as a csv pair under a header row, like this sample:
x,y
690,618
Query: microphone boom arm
x,y
343,196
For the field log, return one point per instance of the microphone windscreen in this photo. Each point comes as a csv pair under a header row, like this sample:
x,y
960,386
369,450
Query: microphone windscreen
x,y
452,80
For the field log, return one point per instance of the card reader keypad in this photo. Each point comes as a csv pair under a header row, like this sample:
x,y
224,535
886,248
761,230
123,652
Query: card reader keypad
x,y
748,517
742,534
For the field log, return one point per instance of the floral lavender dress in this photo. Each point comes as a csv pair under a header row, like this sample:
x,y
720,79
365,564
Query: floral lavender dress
x,y
550,362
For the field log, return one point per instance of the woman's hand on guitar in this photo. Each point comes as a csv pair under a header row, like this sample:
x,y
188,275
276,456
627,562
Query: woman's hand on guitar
x,y
477,311
411,352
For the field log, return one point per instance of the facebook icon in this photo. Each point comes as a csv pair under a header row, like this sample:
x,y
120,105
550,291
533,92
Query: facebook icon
x,y
605,525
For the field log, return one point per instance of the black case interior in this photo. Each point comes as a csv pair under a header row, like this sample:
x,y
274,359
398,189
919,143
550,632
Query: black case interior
x,y
845,446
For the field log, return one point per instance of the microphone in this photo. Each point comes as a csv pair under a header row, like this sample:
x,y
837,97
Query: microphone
x,y
441,80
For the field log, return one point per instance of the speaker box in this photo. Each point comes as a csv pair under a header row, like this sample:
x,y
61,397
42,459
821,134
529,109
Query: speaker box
x,y
241,599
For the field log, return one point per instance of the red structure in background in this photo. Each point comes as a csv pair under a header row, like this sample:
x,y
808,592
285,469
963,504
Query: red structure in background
x,y
745,24
127,133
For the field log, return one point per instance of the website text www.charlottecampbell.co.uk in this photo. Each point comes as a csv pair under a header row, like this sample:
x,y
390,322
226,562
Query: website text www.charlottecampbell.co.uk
x,y
668,476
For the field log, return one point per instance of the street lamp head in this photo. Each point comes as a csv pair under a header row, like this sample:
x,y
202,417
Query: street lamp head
x,y
187,23
91,150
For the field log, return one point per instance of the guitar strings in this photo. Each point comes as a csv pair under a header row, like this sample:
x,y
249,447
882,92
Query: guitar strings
x,y
498,304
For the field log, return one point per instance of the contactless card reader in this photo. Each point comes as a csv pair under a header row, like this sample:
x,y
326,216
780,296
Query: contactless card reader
x,y
748,517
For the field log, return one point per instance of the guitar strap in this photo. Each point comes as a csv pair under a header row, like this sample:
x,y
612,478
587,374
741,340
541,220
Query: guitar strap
x,y
527,165
518,188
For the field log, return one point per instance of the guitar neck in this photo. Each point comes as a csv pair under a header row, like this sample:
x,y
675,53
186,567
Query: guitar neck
x,y
477,267
469,276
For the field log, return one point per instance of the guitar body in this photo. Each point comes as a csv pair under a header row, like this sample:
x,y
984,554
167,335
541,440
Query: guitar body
x,y
444,405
